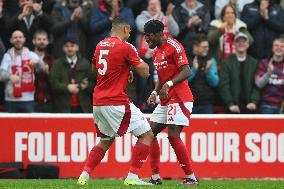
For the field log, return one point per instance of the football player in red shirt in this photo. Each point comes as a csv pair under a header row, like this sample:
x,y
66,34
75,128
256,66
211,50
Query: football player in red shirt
x,y
114,115
176,104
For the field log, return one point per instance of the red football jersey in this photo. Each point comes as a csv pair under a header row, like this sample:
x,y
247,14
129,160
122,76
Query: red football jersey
x,y
113,58
167,59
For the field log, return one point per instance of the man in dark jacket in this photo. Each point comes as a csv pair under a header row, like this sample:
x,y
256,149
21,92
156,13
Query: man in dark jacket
x,y
72,81
29,18
237,87
104,13
265,22
192,17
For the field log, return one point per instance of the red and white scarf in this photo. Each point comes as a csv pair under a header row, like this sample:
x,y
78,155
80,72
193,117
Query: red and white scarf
x,y
227,43
24,71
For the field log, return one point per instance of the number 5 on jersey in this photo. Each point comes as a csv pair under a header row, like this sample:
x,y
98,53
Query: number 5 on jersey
x,y
102,62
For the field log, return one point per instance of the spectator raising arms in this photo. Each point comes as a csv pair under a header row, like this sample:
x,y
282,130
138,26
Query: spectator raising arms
x,y
222,32
70,21
154,12
104,13
192,17
270,78
265,21
29,18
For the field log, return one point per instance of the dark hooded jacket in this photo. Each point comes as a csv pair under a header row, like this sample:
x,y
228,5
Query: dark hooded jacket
x,y
263,31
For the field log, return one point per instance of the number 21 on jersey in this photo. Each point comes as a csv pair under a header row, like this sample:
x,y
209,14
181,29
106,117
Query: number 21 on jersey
x,y
102,62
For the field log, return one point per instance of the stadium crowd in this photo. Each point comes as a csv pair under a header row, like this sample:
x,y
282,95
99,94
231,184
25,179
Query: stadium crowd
x,y
235,49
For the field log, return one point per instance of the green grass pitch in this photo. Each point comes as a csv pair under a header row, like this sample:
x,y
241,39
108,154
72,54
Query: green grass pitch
x,y
118,184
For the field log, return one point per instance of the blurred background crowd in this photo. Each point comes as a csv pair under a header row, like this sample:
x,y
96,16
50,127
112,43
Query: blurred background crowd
x,y
235,49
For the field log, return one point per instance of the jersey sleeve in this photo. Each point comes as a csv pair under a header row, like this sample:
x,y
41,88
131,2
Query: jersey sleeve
x,y
180,58
132,55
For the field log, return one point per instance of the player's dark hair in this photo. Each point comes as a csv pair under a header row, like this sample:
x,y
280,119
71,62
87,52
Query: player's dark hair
x,y
153,26
119,21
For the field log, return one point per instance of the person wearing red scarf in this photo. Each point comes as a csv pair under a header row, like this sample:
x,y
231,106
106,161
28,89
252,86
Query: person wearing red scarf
x,y
17,70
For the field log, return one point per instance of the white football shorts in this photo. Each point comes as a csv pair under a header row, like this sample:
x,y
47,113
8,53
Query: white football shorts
x,y
174,114
115,121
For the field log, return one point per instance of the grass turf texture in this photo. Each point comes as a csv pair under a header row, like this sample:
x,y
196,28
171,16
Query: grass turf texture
x,y
118,184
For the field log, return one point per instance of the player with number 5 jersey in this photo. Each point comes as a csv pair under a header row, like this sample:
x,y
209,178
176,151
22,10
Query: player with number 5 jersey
x,y
113,113
113,58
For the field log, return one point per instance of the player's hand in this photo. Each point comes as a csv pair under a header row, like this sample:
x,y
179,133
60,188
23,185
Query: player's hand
x,y
164,91
251,106
152,99
73,88
130,77
15,78
234,109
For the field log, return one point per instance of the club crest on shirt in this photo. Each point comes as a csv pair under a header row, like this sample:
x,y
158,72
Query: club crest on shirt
x,y
161,65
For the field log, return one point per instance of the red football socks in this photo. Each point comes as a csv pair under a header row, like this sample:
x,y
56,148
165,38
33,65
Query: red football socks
x,y
155,156
181,153
95,157
139,156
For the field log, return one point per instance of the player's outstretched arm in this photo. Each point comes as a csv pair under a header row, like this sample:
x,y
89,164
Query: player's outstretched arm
x,y
142,69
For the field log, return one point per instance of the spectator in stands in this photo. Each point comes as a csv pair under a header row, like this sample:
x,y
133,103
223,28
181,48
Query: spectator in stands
x,y
153,11
70,21
192,17
104,13
43,96
237,4
28,18
237,87
71,80
203,78
17,70
265,21
222,32
270,78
